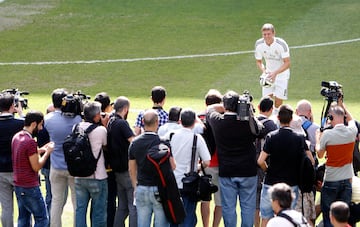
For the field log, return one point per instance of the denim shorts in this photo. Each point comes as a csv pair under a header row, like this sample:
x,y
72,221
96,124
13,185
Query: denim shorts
x,y
266,210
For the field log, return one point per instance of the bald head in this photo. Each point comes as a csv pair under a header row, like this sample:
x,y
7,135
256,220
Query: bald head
x,y
303,108
151,120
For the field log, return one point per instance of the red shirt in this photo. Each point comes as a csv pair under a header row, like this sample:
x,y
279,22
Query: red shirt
x,y
24,146
214,162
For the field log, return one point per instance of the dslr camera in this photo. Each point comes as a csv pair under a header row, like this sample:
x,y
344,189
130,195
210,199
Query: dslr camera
x,y
244,106
331,91
73,104
18,97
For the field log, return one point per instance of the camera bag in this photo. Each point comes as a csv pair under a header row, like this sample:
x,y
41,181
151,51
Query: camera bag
x,y
158,157
197,187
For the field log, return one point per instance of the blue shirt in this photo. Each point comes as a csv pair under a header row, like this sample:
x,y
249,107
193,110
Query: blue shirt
x,y
59,126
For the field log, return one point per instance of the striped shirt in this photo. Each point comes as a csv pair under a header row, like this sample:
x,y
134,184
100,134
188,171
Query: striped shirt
x,y
339,145
24,146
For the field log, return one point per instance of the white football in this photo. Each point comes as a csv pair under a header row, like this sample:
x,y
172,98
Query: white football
x,y
265,81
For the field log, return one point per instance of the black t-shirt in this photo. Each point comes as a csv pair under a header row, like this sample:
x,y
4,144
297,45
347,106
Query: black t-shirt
x,y
137,151
119,132
285,149
235,145
269,126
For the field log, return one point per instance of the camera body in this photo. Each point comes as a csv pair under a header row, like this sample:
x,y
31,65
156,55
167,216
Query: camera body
x,y
244,106
18,97
72,104
331,90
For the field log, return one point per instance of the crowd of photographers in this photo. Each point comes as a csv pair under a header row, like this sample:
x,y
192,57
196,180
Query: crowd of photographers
x,y
247,156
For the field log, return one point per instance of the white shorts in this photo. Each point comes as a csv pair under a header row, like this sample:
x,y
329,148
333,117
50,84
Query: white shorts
x,y
280,87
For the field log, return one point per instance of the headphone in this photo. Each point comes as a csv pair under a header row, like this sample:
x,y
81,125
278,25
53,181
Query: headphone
x,y
330,117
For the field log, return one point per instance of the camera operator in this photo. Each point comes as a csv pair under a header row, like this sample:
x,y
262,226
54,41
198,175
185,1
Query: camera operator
x,y
59,125
338,144
9,126
237,158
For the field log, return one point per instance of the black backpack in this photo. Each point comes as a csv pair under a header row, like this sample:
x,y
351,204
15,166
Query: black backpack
x,y
307,174
78,154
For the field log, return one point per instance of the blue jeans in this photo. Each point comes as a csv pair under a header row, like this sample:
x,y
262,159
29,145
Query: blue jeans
x,y
96,190
266,209
190,208
331,192
125,194
147,202
31,202
243,187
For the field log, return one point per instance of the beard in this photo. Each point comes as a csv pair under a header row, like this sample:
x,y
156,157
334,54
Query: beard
x,y
35,132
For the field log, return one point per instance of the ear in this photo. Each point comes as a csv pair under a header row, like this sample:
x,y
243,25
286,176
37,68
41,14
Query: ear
x,y
33,125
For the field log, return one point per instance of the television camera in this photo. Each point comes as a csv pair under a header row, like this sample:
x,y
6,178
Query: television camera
x,y
18,97
244,106
72,104
332,92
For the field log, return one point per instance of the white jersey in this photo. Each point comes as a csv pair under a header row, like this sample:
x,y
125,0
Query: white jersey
x,y
273,54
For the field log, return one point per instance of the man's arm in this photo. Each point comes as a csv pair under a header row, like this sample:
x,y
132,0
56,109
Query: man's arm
x,y
37,162
283,67
137,130
172,163
309,155
347,113
133,172
260,65
261,160
320,152
130,139
205,163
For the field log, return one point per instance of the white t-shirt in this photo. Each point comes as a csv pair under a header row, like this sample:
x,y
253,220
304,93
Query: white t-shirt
x,y
181,146
283,222
98,138
274,54
168,128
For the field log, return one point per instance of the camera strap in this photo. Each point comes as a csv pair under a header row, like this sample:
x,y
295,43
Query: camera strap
x,y
193,150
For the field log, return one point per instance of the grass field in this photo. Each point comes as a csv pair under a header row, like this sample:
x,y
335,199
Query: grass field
x,y
121,47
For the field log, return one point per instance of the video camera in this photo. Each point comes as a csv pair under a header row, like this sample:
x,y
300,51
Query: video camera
x,y
331,91
18,97
244,106
72,104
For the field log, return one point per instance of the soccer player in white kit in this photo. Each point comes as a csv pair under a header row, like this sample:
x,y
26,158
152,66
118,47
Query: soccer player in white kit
x,y
273,58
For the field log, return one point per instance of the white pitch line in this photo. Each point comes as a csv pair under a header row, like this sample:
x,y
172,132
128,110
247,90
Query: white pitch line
x,y
169,57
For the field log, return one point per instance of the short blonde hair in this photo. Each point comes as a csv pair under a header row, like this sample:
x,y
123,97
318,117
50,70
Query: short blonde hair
x,y
268,26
